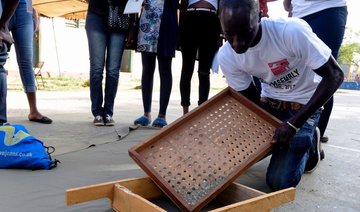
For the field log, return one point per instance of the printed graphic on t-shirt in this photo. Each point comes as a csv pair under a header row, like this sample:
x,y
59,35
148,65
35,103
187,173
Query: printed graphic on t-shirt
x,y
285,82
279,67
284,74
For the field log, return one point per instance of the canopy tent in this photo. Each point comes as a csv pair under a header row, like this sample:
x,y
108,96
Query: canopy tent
x,y
75,9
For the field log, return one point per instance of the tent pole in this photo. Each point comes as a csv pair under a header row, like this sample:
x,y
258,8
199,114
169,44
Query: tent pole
x,y
56,48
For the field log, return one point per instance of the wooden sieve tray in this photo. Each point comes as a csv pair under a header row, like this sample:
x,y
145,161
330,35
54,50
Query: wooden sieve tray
x,y
200,154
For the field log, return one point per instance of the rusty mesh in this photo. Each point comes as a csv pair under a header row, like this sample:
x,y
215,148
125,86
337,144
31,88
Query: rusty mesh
x,y
195,158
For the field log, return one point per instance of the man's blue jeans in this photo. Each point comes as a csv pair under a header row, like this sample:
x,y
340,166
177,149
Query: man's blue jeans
x,y
21,26
3,85
104,47
288,164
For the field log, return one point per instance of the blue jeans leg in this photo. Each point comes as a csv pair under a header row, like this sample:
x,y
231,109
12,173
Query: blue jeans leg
x,y
288,164
115,50
21,26
103,44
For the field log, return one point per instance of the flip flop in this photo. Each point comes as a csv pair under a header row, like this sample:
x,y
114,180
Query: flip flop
x,y
43,120
159,122
142,121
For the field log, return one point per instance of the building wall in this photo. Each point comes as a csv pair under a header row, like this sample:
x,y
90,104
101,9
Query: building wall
x,y
63,48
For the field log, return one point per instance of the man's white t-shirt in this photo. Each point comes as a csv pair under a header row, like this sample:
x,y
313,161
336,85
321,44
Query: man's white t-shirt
x,y
284,60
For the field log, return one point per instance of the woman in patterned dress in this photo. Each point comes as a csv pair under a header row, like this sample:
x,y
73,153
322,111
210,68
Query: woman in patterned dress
x,y
158,27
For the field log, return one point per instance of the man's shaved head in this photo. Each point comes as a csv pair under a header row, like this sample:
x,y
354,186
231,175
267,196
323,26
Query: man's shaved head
x,y
240,22
251,5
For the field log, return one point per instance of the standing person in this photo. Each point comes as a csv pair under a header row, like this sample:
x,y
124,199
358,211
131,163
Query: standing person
x,y
22,25
7,9
157,39
199,37
327,19
285,55
106,48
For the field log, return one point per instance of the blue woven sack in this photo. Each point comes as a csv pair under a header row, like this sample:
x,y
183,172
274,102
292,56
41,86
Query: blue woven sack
x,y
20,150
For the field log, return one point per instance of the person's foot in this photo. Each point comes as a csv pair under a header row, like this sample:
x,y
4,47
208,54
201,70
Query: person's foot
x,y
98,121
109,121
39,118
314,154
142,121
324,139
159,122
185,110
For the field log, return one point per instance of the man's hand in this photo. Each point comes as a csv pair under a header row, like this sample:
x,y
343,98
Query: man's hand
x,y
283,135
5,37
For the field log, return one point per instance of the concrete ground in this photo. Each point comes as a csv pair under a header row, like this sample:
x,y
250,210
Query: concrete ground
x,y
334,186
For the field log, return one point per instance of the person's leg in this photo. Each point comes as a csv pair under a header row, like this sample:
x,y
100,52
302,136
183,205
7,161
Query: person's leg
x,y
329,26
165,84
3,86
22,28
209,35
3,92
287,164
115,49
147,80
325,117
189,48
96,33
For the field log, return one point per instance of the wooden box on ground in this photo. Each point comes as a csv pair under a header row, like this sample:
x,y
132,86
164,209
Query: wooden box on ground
x,y
200,154
139,195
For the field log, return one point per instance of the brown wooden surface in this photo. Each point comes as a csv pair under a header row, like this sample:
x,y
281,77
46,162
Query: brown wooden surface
x,y
61,8
127,201
141,186
236,193
200,154
261,203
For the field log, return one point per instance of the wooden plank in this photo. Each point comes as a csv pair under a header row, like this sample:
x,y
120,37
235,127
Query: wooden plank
x,y
126,200
264,202
141,186
237,193
89,193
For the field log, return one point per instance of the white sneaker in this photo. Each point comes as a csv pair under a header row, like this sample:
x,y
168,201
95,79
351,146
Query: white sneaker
x,y
109,121
98,121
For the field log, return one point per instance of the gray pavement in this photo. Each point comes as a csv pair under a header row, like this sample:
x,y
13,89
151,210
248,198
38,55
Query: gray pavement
x,y
334,186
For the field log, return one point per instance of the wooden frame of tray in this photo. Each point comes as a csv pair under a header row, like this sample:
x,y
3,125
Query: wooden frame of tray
x,y
199,155
135,195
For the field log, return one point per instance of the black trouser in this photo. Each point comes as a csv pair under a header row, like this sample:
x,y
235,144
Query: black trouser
x,y
199,33
329,26
147,79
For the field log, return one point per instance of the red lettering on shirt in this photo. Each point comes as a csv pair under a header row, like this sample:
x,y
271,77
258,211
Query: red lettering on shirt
x,y
279,67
